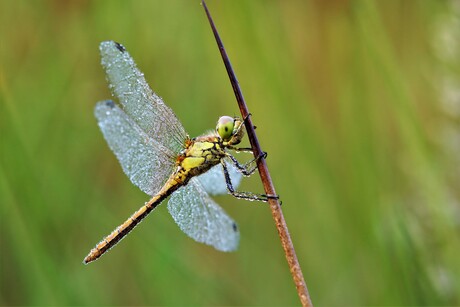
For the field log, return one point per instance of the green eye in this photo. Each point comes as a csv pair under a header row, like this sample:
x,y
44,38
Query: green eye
x,y
225,127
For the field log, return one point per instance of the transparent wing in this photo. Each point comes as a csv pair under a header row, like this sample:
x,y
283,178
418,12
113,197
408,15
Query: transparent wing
x,y
146,162
213,181
202,219
138,101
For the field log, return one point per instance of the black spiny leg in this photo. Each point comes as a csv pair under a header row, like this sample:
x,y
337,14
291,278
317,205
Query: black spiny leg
x,y
243,195
248,168
245,119
240,149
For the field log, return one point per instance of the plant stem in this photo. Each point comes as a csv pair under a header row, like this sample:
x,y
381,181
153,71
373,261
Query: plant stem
x,y
275,205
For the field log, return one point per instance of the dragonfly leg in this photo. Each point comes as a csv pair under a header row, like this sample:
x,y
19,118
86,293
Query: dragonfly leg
x,y
264,154
248,168
245,119
243,124
240,149
243,195
268,196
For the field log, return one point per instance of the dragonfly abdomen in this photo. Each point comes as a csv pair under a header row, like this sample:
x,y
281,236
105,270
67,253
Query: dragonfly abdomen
x,y
121,231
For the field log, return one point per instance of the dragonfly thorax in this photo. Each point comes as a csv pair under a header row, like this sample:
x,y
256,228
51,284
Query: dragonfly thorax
x,y
203,152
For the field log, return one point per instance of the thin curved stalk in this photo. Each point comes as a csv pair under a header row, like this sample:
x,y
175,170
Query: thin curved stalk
x,y
275,205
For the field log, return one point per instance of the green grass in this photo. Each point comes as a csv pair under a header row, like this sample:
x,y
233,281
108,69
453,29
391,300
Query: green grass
x,y
349,99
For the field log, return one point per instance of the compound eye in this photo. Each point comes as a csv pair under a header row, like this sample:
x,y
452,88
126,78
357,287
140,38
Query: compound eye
x,y
225,126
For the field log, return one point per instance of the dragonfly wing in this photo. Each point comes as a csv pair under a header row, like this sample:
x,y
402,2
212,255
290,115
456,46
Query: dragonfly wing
x,y
213,181
138,101
202,219
146,162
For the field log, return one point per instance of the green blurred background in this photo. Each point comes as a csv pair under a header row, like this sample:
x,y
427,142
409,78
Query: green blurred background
x,y
357,103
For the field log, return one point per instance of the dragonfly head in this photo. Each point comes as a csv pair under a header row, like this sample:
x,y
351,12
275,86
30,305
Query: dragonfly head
x,y
230,129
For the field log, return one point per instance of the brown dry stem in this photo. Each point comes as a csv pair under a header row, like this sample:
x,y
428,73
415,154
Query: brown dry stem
x,y
275,205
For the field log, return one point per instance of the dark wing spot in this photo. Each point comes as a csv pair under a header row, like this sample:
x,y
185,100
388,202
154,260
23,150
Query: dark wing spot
x,y
110,103
235,228
120,47
226,129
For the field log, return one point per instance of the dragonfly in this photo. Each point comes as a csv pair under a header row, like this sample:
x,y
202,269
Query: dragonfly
x,y
161,159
